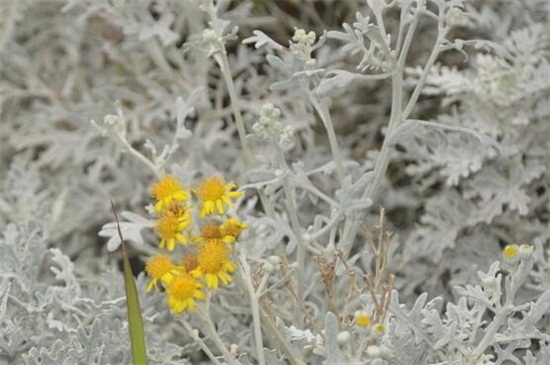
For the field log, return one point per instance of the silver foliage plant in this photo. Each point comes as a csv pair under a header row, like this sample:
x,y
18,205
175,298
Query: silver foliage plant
x,y
321,111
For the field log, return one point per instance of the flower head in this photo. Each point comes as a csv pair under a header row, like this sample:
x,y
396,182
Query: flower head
x,y
189,261
168,189
161,267
214,194
214,263
178,208
182,292
211,230
232,228
362,319
510,252
379,329
169,227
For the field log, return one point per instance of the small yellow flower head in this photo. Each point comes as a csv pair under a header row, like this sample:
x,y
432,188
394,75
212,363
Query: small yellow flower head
x,y
168,189
160,267
232,228
182,292
362,319
169,228
178,208
189,261
214,263
211,231
379,329
510,252
214,194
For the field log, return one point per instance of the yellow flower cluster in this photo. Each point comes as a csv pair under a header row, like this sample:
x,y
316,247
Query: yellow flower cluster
x,y
207,242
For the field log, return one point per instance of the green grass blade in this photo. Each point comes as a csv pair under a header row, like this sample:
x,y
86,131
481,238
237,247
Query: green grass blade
x,y
135,322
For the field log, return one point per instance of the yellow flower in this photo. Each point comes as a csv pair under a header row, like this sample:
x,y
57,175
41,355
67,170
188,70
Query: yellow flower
x,y
168,189
214,263
189,261
169,227
232,228
362,319
182,292
161,267
211,231
510,252
178,208
214,194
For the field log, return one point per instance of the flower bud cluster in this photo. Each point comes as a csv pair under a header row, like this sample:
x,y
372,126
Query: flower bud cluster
x,y
269,127
302,44
212,41
300,37
454,16
210,36
113,126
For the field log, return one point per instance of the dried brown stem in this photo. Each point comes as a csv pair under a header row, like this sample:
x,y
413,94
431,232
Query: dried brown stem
x,y
353,287
326,269
380,287
291,289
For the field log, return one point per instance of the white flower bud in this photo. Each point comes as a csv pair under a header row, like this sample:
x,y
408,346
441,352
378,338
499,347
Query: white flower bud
x,y
112,124
279,173
276,125
210,36
343,337
267,108
234,349
270,127
299,35
275,260
311,38
525,252
286,142
268,267
111,119
311,64
374,352
454,15
204,5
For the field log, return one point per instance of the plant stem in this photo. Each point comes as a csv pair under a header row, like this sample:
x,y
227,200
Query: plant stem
x,y
138,155
429,64
223,63
213,335
397,116
295,223
276,335
201,343
324,114
254,307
